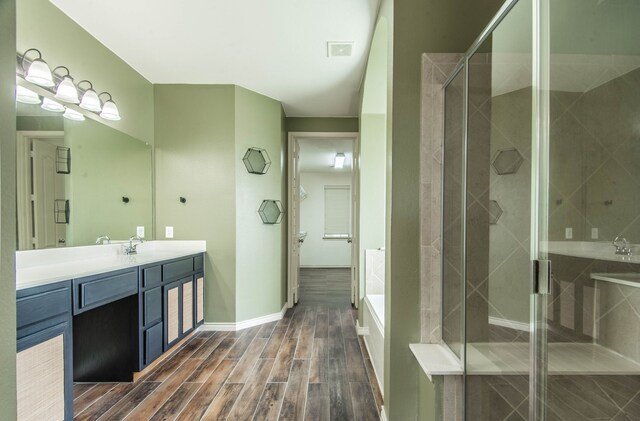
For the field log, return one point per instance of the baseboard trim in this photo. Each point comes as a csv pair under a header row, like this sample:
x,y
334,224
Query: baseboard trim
x,y
383,414
232,327
362,330
325,267
375,372
512,324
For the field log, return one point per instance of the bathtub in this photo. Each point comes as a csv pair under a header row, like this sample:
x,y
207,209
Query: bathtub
x,y
373,319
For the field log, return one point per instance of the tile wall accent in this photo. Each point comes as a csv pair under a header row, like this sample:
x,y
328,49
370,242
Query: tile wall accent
x,y
374,261
436,68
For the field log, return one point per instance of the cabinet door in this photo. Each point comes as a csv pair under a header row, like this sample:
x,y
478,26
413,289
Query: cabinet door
x,y
43,375
152,306
199,299
172,314
152,343
187,305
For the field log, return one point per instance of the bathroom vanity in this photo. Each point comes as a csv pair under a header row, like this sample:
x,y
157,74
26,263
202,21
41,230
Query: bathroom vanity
x,y
93,314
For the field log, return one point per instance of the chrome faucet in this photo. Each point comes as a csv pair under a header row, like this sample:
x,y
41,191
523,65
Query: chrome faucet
x,y
622,246
102,238
131,248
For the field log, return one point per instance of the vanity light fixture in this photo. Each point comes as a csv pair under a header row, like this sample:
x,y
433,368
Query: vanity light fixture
x,y
339,160
109,109
90,100
51,105
26,96
72,115
38,71
66,90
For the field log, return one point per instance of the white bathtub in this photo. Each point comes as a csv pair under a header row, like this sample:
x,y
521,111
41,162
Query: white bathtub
x,y
373,318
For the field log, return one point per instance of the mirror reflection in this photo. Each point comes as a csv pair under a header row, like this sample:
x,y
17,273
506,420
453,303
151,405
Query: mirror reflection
x,y
78,180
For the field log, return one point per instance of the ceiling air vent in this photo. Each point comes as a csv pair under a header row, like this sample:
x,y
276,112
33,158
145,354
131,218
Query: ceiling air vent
x,y
339,49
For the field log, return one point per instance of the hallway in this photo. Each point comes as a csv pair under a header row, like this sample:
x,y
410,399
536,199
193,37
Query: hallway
x,y
310,365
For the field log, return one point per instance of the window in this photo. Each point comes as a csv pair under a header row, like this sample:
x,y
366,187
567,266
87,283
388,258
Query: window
x,y
337,212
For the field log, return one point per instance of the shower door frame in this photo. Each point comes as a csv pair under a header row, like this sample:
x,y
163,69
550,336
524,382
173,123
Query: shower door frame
x,y
538,358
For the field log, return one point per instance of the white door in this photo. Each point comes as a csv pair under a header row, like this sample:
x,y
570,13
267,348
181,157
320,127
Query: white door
x,y
355,224
294,221
47,187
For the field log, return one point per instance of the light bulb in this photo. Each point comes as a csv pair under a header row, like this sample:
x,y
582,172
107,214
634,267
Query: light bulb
x,y
51,105
73,115
67,91
39,73
26,96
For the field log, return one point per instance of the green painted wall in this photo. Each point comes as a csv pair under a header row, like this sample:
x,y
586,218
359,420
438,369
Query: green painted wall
x,y
40,123
322,124
105,166
7,212
373,151
203,132
43,26
195,157
259,271
415,27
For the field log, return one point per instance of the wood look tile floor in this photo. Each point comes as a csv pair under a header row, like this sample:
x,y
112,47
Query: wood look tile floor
x,y
311,365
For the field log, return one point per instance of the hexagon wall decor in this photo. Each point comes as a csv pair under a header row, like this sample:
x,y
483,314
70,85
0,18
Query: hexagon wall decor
x,y
271,212
507,161
257,161
495,212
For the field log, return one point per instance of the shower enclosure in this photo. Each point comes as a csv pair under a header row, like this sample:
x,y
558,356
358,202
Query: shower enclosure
x,y
541,177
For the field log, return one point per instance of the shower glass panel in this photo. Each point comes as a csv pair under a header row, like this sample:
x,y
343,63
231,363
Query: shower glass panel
x,y
593,313
453,285
498,220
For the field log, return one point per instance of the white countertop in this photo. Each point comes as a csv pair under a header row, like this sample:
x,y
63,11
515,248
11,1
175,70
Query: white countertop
x,y
599,250
41,267
436,360
628,279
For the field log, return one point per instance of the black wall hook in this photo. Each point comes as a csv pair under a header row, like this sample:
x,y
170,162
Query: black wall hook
x,y
125,199
183,200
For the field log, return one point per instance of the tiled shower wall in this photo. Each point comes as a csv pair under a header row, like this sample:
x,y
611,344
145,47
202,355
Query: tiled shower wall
x,y
374,263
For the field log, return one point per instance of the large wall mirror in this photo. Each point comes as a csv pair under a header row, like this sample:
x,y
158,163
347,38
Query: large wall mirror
x,y
78,180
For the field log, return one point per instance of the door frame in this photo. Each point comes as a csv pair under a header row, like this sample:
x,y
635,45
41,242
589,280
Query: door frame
x,y
292,270
23,185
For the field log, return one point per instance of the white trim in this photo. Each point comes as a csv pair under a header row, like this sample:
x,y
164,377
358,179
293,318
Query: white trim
x,y
324,267
380,386
362,330
383,414
512,324
232,327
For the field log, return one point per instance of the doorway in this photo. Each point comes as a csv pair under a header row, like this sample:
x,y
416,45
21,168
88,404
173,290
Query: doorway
x,y
323,217
41,203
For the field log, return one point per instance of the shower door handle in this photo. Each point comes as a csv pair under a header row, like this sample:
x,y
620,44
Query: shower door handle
x,y
541,277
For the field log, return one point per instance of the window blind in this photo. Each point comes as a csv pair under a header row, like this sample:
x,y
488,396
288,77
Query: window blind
x,y
337,211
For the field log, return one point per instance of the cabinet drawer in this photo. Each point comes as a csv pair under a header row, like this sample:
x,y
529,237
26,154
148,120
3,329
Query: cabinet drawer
x,y
152,343
151,277
152,306
43,305
94,291
198,263
174,270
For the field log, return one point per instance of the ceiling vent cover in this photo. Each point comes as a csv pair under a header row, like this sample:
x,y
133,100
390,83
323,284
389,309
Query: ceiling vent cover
x,y
339,48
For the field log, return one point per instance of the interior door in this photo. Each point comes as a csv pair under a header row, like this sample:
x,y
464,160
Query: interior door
x,y
355,224
47,187
294,221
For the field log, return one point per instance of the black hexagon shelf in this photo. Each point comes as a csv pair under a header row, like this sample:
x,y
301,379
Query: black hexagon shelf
x,y
495,212
507,161
257,161
271,212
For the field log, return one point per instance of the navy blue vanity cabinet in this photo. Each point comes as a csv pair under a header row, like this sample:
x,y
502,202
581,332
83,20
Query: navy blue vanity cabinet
x,y
151,330
44,359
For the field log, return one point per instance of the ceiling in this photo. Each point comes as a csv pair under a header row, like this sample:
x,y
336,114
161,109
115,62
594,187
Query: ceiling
x,y
277,48
317,154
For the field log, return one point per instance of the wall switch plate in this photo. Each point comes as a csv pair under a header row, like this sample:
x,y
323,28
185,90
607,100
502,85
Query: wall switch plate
x,y
594,233
168,232
568,233
140,232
